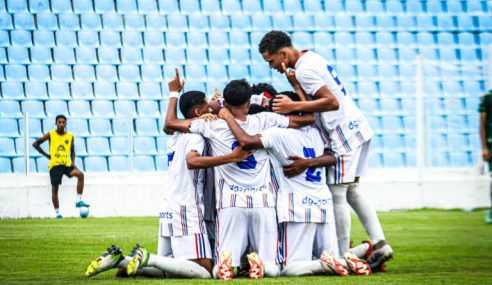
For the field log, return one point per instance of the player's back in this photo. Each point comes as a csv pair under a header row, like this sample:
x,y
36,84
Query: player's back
x,y
246,183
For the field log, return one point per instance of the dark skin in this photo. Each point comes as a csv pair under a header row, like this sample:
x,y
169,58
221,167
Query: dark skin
x,y
485,151
324,100
61,125
193,159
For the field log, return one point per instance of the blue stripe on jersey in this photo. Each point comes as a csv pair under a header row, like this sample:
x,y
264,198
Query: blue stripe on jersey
x,y
273,180
342,138
360,137
170,227
170,157
337,171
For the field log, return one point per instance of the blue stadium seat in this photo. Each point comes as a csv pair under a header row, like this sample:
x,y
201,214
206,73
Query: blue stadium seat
x,y
485,39
81,90
119,145
170,72
110,39
79,108
153,55
82,7
197,55
393,160
195,73
407,54
251,6
91,22
414,7
466,39
448,54
42,164
151,73
154,39
104,90
313,6
239,55
405,39
365,55
86,55
195,39
35,130
405,22
104,6
150,90
55,108
218,55
100,127
64,55
385,22
429,53
219,22
47,21
143,163
12,90
147,6
131,55
69,22
127,90
238,71
146,127
466,22
144,145
126,6
391,106
5,165
216,72
260,22
112,21
61,72
106,72
434,7
387,55
44,38
393,142
168,6
272,6
102,108
38,6
148,108
19,167
323,23
80,129
344,22
261,73
88,38
118,163
469,55
41,55
367,71
34,107
364,39
8,127
303,22
24,21
162,144
475,7
84,73
175,39
8,144
303,40
218,39
388,71
385,39
472,87
177,23
15,72
445,23
322,40
345,55
240,23
61,6
9,108
95,164
199,86
156,22
346,71
394,123
17,6
132,39
66,39
369,105
239,39
18,55
124,107
231,7
129,72
97,146
3,57
59,90
108,55
175,55
121,126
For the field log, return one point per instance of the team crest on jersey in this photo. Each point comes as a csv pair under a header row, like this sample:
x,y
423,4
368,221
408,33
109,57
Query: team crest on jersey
x,y
66,141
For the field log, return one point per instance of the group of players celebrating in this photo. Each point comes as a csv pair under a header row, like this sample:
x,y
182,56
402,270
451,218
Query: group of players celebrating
x,y
278,170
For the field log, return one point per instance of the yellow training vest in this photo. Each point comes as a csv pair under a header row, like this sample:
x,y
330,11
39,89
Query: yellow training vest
x,y
60,147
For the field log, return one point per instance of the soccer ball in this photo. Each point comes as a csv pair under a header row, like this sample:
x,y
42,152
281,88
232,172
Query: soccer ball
x,y
84,212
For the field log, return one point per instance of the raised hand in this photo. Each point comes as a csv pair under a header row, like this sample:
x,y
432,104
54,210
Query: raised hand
x,y
282,104
240,154
298,166
177,84
225,114
290,75
209,117
217,95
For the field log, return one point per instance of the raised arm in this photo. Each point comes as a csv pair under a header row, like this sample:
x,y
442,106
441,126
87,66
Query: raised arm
x,y
172,122
36,144
296,121
325,101
299,164
247,141
195,161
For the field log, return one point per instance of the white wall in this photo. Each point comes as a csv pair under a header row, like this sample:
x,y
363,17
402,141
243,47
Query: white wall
x,y
139,194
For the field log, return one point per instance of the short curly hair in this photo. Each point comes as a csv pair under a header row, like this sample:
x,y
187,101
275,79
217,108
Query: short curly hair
x,y
263,87
237,92
189,101
273,41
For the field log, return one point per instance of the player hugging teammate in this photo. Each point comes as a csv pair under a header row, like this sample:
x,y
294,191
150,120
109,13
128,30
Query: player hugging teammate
x,y
286,167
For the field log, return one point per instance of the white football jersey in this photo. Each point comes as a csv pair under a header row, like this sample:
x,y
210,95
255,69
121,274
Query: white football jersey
x,y
303,198
182,206
245,184
347,128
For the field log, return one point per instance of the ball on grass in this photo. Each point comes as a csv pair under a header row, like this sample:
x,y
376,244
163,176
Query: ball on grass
x,y
84,212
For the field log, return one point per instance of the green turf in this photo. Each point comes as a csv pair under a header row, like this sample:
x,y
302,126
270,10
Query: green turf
x,y
431,247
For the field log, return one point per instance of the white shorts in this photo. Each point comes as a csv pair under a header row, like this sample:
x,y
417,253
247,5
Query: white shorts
x,y
349,166
306,241
239,227
194,246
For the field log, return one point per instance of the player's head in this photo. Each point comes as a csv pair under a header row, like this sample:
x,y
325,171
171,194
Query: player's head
x,y
292,95
266,90
237,93
61,122
193,104
276,48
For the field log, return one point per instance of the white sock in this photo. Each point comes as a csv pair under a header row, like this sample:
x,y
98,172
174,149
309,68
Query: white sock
x,y
271,269
366,212
151,272
215,272
343,220
79,197
178,267
57,211
360,250
303,268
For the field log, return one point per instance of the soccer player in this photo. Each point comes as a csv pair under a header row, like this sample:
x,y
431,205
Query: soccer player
x,y
245,193
183,247
62,161
304,202
485,110
343,123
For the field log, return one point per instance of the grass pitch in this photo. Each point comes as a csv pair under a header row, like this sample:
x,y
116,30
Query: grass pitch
x,y
431,247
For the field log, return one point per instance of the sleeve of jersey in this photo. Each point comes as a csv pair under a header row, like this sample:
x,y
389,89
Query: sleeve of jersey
x,y
268,138
196,143
310,80
276,120
200,127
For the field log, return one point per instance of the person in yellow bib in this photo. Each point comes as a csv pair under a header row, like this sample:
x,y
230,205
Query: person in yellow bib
x,y
62,161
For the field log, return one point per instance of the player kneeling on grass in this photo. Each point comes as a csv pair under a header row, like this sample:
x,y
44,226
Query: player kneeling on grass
x,y
183,249
62,161
304,202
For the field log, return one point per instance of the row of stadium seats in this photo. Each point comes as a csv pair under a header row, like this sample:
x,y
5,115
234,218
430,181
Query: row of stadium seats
x,y
87,23
234,7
